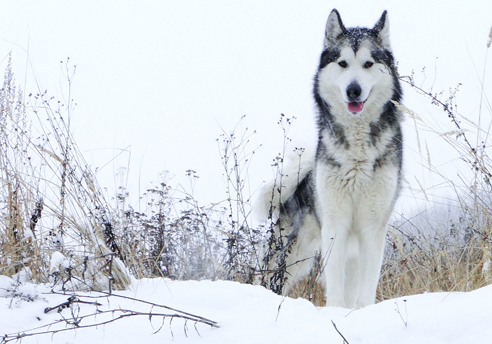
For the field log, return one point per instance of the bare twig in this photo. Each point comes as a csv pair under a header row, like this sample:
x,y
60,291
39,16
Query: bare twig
x,y
191,316
345,341
405,321
74,323
71,300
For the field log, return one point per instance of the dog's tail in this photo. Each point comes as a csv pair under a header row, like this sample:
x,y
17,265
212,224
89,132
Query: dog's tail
x,y
277,191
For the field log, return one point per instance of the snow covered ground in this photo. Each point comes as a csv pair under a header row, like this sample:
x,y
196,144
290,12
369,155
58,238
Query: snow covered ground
x,y
245,314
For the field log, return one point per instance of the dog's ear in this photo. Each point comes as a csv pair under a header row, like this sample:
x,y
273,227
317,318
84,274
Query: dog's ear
x,y
382,29
334,27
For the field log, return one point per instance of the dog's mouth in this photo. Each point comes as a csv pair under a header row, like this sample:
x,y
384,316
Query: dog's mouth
x,y
355,107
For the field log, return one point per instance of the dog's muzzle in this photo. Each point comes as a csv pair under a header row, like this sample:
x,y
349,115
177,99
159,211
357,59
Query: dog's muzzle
x,y
353,94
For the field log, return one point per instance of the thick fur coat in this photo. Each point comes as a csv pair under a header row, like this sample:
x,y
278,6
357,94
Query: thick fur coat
x,y
338,200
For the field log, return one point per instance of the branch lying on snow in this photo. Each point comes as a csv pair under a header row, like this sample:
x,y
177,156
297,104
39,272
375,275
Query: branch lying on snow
x,y
71,300
341,335
191,316
74,322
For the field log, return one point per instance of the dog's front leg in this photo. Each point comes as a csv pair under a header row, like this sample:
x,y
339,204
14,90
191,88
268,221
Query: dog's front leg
x,y
374,209
335,240
335,215
372,240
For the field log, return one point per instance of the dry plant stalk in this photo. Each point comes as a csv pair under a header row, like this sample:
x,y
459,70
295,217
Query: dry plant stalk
x,y
453,255
49,200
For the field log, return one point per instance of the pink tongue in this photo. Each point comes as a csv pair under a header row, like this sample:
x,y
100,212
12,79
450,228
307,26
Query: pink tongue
x,y
355,106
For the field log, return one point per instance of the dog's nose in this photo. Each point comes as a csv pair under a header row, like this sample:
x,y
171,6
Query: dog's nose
x,y
353,92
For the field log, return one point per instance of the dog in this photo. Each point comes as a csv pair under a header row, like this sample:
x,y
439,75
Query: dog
x,y
335,202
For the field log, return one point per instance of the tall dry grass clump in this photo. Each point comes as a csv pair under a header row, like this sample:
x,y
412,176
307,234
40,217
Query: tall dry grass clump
x,y
446,248
55,226
425,255
17,246
172,236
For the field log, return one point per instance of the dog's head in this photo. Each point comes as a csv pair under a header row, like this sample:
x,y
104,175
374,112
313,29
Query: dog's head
x,y
356,70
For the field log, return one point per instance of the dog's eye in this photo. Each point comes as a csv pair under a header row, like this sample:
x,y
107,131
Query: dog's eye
x,y
343,64
368,64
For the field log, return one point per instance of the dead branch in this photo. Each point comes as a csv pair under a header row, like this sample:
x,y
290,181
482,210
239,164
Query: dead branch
x,y
345,341
74,323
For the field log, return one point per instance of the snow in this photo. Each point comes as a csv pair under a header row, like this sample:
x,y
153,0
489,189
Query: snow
x,y
57,260
245,314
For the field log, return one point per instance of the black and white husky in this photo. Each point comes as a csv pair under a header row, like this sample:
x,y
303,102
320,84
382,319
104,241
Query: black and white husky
x,y
338,201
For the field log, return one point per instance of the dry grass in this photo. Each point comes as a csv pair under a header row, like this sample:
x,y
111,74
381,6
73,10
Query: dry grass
x,y
436,262
310,291
50,203
427,253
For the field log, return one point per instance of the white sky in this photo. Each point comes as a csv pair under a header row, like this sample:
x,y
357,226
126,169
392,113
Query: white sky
x,y
163,77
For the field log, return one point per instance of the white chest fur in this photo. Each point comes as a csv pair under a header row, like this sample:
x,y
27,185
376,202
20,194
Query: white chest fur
x,y
353,155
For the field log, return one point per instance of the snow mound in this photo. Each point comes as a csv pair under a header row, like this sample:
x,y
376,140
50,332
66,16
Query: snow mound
x,y
245,314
